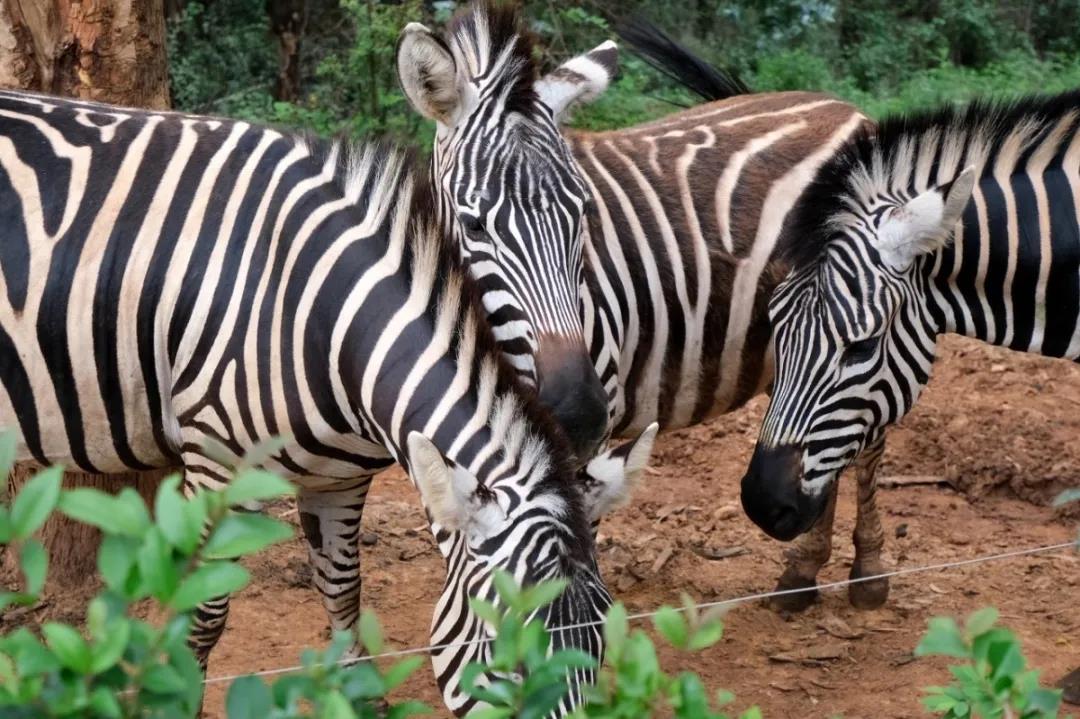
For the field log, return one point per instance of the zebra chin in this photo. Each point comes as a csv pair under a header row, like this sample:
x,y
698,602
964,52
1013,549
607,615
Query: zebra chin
x,y
773,494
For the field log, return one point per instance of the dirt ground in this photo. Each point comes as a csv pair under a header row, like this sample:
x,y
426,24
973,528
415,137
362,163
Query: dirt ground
x,y
998,431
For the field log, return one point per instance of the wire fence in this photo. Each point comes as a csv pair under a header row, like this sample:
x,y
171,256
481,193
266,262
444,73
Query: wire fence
x,y
830,586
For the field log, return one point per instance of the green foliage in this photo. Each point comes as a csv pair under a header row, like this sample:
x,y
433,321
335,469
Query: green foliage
x,y
632,684
524,679
993,681
119,667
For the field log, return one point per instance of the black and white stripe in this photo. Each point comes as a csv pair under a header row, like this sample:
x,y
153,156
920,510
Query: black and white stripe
x,y
960,220
168,280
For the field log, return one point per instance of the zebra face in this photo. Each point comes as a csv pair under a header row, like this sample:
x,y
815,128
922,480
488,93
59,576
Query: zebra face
x,y
512,198
853,342
534,533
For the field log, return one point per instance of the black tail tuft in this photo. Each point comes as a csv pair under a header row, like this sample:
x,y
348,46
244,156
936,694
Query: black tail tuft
x,y
677,62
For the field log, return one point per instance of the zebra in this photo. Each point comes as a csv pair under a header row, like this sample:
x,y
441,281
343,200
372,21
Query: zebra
x,y
509,183
683,237
170,281
957,220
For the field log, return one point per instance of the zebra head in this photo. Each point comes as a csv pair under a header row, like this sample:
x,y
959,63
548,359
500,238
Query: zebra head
x,y
511,195
853,340
532,523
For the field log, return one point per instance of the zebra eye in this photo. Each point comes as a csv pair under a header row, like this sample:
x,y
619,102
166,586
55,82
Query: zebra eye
x,y
861,351
472,224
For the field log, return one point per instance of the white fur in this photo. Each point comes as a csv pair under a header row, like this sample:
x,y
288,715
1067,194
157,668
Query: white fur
x,y
613,479
561,94
925,224
428,74
447,493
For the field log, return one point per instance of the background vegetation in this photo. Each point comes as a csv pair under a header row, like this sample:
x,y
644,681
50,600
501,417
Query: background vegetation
x,y
883,55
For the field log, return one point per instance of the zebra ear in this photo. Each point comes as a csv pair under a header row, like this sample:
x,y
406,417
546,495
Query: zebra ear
x,y
926,223
579,80
448,490
427,73
611,477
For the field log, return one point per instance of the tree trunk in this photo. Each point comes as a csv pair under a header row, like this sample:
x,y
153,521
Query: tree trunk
x,y
108,51
287,20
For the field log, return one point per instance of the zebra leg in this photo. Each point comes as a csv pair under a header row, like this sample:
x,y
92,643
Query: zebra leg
x,y
804,559
331,523
869,537
208,620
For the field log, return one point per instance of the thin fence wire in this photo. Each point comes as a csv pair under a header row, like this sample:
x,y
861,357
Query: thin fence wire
x,y
703,605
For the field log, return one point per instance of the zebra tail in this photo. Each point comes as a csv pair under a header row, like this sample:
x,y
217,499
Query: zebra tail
x,y
678,63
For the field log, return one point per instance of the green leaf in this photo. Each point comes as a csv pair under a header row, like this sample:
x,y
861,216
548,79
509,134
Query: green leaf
x,y
35,502
5,525
981,622
238,535
248,698
215,579
943,638
398,673
107,651
214,449
170,519
705,635
335,706
156,565
615,630
263,451
116,557
672,626
163,679
486,611
105,704
371,635
407,709
492,713
9,440
68,646
255,485
124,514
542,594
35,563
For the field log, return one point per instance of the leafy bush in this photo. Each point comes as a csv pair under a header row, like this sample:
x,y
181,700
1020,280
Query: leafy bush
x,y
122,667
994,680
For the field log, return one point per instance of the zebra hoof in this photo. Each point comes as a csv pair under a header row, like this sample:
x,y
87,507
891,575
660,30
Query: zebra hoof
x,y
796,601
869,594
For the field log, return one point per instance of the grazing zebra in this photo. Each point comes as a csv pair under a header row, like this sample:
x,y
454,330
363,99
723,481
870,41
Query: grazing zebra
x,y
876,279
169,280
683,237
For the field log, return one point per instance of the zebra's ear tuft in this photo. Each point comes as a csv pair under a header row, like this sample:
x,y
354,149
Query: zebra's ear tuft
x,y
428,74
612,476
926,223
580,80
447,490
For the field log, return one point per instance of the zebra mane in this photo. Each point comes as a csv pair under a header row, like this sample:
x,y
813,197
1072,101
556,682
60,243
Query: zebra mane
x,y
905,155
488,38
519,421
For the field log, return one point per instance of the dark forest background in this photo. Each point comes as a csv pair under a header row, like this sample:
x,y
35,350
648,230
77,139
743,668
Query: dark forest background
x,y
328,65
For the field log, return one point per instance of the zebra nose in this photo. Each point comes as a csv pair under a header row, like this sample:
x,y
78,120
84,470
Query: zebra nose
x,y
771,496
571,390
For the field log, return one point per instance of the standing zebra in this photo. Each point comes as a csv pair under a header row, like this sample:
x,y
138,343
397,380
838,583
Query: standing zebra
x,y
876,280
683,241
508,183
170,279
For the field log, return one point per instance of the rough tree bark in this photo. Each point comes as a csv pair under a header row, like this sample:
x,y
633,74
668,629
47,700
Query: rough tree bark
x,y
108,51
287,20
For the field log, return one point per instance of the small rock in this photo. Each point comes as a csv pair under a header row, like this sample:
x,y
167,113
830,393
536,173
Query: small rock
x,y
901,530
997,368
727,511
625,583
716,553
662,558
838,628
369,539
